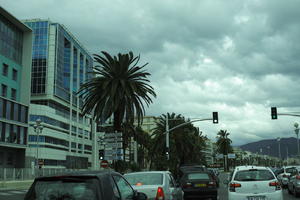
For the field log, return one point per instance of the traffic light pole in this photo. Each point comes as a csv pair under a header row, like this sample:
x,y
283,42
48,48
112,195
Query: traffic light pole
x,y
178,126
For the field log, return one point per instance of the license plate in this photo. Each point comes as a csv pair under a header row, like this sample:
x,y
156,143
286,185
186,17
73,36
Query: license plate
x,y
256,198
200,185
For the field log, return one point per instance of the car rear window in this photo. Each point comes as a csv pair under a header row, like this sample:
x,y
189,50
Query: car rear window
x,y
289,170
66,188
254,175
145,178
197,176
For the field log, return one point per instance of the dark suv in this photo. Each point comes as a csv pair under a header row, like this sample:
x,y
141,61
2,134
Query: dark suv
x,y
89,185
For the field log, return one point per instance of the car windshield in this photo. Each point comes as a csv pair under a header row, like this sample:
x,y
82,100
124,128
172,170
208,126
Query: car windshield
x,y
145,178
254,175
65,189
197,176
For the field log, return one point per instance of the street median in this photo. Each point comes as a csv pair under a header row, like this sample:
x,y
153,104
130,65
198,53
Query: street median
x,y
15,185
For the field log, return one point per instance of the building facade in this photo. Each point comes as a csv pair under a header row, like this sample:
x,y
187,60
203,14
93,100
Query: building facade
x,y
60,64
15,72
149,123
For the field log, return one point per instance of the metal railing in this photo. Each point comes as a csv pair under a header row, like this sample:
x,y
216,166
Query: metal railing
x,y
19,174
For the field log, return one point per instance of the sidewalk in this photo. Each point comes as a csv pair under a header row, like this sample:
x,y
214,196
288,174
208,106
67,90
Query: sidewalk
x,y
15,185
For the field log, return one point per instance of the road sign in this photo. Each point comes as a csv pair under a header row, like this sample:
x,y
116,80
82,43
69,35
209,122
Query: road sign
x,y
104,163
219,156
114,145
112,140
231,155
112,135
113,151
118,157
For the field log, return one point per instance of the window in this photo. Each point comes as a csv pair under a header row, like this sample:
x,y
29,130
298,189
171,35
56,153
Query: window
x,y
10,158
13,94
145,178
5,70
124,188
197,176
4,90
254,175
15,75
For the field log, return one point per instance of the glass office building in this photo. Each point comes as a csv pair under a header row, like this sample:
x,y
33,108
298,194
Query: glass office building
x,y
15,72
59,66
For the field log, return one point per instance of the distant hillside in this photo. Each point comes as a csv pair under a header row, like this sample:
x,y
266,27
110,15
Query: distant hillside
x,y
287,146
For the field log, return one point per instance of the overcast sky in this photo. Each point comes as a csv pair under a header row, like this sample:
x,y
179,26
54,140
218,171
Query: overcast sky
x,y
237,57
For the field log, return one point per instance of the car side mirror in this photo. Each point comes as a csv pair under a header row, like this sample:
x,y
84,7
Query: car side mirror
x,y
140,196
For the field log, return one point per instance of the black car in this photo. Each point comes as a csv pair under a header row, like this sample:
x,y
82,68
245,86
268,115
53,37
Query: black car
x,y
89,185
199,185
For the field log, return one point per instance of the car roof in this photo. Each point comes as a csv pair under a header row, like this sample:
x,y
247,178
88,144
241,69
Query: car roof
x,y
149,172
246,167
96,173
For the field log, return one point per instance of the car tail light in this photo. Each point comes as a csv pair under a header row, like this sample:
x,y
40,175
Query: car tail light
x,y
160,194
232,186
187,185
276,184
297,177
212,184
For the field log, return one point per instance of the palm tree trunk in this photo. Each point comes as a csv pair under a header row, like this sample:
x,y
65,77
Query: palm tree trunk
x,y
117,121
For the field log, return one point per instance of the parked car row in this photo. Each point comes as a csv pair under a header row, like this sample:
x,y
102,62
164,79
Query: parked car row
x,y
194,182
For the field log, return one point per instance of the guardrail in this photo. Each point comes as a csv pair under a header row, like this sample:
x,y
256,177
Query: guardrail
x,y
19,174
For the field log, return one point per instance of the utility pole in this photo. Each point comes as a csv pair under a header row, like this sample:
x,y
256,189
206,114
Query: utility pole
x,y
167,138
296,125
279,152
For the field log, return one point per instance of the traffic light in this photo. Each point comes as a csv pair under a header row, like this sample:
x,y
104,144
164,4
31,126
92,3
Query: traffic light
x,y
101,154
167,153
274,113
215,117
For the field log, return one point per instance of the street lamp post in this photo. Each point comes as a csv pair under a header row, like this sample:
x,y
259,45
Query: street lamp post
x,y
296,125
279,152
38,128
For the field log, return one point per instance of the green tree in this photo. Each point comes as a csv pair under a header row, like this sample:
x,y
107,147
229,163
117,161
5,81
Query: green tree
x,y
186,144
224,142
118,88
224,145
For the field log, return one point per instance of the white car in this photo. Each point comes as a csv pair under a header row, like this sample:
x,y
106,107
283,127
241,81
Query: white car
x,y
155,184
254,183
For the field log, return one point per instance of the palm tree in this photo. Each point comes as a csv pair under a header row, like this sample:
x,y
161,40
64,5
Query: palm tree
x,y
223,142
118,88
186,143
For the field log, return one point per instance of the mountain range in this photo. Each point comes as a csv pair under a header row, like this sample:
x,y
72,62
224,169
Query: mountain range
x,y
288,147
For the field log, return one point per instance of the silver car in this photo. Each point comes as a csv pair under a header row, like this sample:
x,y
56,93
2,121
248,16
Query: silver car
x,y
155,184
293,185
